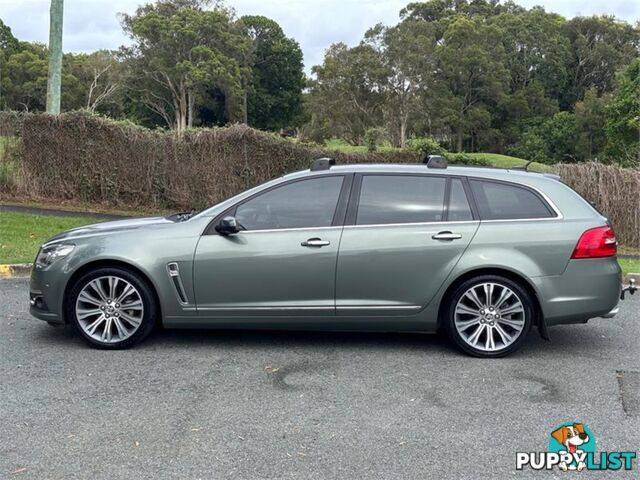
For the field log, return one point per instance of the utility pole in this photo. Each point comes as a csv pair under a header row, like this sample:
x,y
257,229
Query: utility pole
x,y
55,57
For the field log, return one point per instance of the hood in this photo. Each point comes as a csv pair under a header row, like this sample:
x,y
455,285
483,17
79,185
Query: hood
x,y
107,228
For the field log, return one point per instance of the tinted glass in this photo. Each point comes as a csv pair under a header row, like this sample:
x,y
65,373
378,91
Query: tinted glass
x,y
400,199
459,209
303,204
498,201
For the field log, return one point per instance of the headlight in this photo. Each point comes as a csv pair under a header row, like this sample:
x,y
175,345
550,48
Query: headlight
x,y
49,254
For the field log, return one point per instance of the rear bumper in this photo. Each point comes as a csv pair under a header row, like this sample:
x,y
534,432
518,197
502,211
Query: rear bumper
x,y
611,314
588,288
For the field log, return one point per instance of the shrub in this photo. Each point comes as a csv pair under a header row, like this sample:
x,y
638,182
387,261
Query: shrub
x,y
463,158
425,146
374,137
552,141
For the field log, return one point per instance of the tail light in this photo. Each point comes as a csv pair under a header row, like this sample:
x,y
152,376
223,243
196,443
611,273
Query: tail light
x,y
596,243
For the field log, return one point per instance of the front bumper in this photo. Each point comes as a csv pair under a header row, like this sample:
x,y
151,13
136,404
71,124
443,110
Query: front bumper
x,y
45,293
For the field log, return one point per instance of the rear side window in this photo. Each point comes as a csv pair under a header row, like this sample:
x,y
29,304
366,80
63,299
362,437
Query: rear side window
x,y
388,199
459,209
499,201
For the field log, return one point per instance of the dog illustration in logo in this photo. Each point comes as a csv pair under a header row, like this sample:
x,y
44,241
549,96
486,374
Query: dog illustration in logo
x,y
572,437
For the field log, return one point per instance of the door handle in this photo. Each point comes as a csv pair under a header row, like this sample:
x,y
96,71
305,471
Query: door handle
x,y
315,242
447,236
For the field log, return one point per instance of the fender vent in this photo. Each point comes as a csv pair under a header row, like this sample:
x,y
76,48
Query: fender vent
x,y
174,274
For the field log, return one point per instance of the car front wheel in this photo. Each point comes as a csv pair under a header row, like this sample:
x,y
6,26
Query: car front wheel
x,y
489,316
111,308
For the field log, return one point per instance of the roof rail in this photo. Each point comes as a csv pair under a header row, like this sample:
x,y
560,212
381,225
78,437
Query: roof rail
x,y
435,161
322,164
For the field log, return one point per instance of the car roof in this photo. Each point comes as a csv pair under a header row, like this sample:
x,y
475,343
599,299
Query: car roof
x,y
514,175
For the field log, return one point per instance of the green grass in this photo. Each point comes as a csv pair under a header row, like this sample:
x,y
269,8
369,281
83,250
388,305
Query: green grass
x,y
505,161
494,159
629,265
21,234
339,145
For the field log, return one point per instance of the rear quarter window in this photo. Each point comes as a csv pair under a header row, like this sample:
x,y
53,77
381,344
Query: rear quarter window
x,y
502,201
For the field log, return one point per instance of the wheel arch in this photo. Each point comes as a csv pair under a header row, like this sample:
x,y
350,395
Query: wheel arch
x,y
106,263
511,275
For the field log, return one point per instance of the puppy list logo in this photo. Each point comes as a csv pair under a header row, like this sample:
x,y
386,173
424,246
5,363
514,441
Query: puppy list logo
x,y
572,447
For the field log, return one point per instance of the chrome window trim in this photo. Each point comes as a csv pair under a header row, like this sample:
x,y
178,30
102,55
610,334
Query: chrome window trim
x,y
297,229
550,203
545,197
414,224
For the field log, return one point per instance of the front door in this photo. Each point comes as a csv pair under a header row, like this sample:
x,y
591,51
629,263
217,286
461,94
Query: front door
x,y
407,233
283,262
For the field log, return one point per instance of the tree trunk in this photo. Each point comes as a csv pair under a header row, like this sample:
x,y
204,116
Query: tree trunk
x,y
183,109
459,142
403,131
245,111
190,102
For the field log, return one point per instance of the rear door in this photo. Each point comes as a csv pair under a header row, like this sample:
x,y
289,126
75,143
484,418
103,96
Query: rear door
x,y
403,235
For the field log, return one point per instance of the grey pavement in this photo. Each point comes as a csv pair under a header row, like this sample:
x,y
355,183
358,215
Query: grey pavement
x,y
282,405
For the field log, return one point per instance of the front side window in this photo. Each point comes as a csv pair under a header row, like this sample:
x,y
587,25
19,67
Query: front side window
x,y
388,199
499,201
303,204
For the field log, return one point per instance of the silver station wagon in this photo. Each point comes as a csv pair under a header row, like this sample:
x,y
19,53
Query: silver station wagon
x,y
481,254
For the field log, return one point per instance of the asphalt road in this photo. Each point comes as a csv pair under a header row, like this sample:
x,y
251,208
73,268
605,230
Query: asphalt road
x,y
254,405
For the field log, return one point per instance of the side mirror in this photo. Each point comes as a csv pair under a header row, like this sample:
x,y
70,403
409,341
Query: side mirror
x,y
228,226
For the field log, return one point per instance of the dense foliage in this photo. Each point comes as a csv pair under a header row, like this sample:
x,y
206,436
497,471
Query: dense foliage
x,y
486,76
468,75
191,63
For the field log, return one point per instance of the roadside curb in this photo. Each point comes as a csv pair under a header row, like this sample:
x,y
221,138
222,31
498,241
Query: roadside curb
x,y
15,270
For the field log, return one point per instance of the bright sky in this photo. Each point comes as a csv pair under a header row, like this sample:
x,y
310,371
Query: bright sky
x,y
92,24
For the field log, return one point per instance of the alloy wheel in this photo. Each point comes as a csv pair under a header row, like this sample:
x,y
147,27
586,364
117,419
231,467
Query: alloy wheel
x,y
109,309
489,317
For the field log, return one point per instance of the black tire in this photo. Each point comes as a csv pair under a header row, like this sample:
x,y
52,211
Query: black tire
x,y
150,307
529,312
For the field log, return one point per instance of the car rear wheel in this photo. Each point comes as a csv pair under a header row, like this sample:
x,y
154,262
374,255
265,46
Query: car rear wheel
x,y
111,308
489,316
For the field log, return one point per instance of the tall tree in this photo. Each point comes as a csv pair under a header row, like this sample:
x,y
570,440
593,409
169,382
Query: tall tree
x,y
600,46
622,123
98,81
471,60
346,98
180,50
24,79
408,62
8,43
536,49
274,75
590,122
